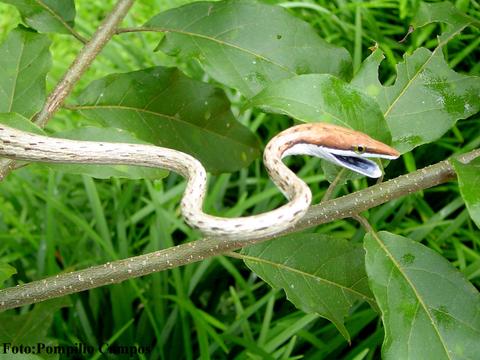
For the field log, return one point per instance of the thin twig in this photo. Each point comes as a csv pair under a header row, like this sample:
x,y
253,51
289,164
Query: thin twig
x,y
62,21
364,222
82,62
118,271
333,185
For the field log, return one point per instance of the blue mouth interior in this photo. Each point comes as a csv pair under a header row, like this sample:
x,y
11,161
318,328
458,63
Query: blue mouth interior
x,y
356,162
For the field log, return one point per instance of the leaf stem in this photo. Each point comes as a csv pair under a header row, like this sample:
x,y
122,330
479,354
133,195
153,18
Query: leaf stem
x,y
333,185
121,270
364,222
62,21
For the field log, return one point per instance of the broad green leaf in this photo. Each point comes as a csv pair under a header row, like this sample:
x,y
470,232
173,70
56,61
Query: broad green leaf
x,y
318,273
444,12
469,182
247,45
106,171
322,97
426,100
24,63
32,327
19,122
46,15
164,107
429,310
6,272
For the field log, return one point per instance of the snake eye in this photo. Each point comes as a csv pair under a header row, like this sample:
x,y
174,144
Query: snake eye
x,y
359,149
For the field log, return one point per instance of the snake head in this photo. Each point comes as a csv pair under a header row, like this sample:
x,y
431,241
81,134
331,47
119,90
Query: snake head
x,y
341,146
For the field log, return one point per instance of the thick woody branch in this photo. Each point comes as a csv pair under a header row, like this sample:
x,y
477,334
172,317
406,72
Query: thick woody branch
x,y
118,271
82,62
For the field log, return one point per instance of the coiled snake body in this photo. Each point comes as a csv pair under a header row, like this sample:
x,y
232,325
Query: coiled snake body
x,y
336,144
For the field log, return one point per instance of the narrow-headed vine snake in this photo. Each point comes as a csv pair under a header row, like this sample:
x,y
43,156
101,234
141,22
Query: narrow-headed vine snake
x,y
348,148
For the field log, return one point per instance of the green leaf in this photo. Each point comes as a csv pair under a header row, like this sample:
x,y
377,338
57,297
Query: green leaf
x,y
6,272
247,45
19,122
469,182
322,97
444,12
318,273
25,61
164,107
426,100
429,310
46,15
32,327
106,171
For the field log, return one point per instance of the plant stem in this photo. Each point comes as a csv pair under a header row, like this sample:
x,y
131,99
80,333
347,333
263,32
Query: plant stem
x,y
364,222
81,63
118,271
333,185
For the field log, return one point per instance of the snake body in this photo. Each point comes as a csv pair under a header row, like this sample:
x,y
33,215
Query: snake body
x,y
349,149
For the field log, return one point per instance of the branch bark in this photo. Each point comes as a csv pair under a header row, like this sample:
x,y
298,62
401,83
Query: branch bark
x,y
81,63
118,271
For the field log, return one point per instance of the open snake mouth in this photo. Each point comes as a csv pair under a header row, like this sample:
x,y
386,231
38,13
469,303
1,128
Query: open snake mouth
x,y
346,158
358,164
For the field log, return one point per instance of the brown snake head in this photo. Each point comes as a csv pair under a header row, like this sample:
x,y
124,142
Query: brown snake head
x,y
339,145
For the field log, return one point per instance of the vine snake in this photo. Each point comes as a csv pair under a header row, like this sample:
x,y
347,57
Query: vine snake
x,y
348,148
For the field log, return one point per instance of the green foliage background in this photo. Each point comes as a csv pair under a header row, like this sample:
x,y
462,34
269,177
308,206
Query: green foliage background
x,y
52,221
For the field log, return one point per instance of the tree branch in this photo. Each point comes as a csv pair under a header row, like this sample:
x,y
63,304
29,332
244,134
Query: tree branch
x,y
327,211
81,63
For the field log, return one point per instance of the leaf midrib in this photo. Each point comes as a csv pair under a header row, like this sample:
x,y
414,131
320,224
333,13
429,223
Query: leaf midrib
x,y
55,15
414,289
170,117
221,42
305,274
422,67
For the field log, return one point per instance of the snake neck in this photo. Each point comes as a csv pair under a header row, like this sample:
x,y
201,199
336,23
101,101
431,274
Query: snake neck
x,y
254,226
284,178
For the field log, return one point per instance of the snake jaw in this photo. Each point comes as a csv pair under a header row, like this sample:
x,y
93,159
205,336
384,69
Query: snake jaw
x,y
358,164
345,158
